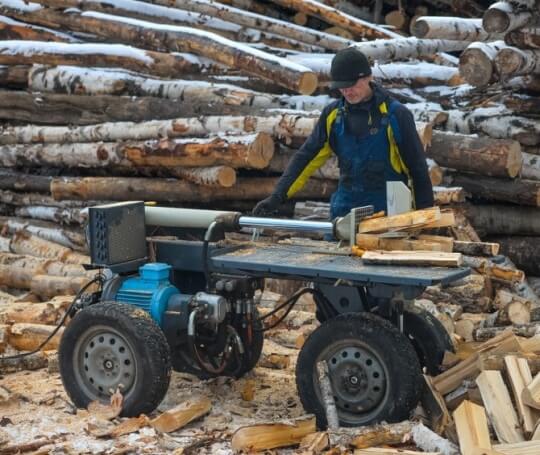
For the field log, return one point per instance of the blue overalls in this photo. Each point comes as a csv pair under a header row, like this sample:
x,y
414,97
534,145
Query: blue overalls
x,y
364,162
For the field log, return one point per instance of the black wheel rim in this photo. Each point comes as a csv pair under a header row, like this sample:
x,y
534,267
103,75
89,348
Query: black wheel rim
x,y
104,361
359,380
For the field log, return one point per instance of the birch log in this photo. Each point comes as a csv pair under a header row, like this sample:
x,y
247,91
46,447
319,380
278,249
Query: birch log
x,y
90,81
252,20
224,176
335,17
530,168
171,38
516,62
517,191
251,151
496,122
481,155
14,30
528,38
505,16
452,28
97,55
55,109
56,214
118,189
476,64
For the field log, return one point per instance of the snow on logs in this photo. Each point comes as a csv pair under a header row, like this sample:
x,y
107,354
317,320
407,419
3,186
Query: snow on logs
x,y
251,151
452,28
171,38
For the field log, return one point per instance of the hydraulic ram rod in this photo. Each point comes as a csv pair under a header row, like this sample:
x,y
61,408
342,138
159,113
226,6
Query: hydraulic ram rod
x,y
201,219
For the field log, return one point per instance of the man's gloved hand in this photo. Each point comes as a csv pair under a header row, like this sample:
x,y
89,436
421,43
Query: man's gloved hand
x,y
267,206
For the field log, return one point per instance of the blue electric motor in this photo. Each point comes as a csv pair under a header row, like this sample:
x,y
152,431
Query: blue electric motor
x,y
150,291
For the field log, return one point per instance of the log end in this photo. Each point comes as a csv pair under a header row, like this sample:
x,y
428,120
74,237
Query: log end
x,y
495,21
514,159
261,151
507,61
308,83
476,67
226,176
419,28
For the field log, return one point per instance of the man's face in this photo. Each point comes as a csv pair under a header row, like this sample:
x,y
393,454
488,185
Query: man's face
x,y
358,92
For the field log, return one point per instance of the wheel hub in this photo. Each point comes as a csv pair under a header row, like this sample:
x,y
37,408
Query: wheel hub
x,y
358,379
106,362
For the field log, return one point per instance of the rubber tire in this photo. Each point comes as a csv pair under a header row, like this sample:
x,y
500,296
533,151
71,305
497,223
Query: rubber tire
x,y
393,348
429,338
149,344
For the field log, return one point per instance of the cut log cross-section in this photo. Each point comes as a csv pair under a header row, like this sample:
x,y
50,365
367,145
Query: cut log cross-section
x,y
505,16
476,63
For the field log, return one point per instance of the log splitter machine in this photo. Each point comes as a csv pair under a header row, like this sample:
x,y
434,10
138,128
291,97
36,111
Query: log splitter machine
x,y
165,303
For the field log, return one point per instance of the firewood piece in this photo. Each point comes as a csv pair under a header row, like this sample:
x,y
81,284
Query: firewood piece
x,y
513,309
275,361
515,62
453,28
530,169
451,379
467,325
132,188
107,411
181,415
375,242
98,55
481,155
519,448
389,451
252,151
476,63
505,16
412,219
435,407
499,406
27,337
476,248
327,395
418,258
531,393
129,426
270,436
472,428
518,191
382,434
520,376
448,195
156,36
525,330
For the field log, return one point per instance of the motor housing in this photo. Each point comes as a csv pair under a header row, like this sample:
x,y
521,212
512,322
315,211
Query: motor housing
x,y
151,290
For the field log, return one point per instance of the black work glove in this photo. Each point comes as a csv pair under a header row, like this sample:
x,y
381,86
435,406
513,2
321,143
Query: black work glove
x,y
267,206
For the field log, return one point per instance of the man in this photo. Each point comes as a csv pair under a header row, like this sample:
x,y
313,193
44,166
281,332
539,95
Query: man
x,y
373,136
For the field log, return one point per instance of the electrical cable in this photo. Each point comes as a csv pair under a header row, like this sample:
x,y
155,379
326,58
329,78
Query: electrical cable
x,y
291,301
98,278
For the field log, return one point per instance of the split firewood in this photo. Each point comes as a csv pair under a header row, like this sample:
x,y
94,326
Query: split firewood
x,y
499,407
520,377
375,242
418,258
129,426
414,219
512,308
518,448
524,330
327,394
27,337
481,155
382,434
181,415
452,28
314,443
107,411
270,436
472,428
435,407
467,325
